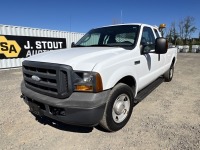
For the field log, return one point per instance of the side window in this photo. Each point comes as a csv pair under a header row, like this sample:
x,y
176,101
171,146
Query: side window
x,y
148,39
156,32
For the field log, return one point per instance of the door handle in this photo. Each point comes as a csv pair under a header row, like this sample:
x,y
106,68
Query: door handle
x,y
137,62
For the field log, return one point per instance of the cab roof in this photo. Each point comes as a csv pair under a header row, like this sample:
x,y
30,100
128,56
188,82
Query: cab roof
x,y
140,24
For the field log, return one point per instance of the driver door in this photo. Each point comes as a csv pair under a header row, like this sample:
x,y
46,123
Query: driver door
x,y
150,61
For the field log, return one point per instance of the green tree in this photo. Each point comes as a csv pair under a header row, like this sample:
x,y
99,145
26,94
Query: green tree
x,y
172,33
188,28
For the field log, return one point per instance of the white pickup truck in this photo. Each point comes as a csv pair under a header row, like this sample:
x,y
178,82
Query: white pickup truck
x,y
99,79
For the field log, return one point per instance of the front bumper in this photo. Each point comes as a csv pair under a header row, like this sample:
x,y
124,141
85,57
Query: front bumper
x,y
85,109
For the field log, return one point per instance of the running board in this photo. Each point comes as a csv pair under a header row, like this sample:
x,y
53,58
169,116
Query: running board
x,y
147,90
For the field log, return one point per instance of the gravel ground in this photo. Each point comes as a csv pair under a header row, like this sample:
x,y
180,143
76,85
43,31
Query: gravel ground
x,y
169,118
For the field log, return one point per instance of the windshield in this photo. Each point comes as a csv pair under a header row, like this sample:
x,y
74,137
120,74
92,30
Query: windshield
x,y
114,36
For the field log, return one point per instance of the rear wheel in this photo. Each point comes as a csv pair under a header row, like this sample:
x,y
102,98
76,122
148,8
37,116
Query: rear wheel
x,y
118,108
169,74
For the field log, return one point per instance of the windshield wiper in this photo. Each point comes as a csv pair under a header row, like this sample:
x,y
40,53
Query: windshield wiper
x,y
79,46
102,45
96,45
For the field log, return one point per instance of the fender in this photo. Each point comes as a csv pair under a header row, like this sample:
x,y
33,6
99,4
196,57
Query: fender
x,y
110,81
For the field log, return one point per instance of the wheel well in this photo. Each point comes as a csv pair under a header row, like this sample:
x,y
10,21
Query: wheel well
x,y
129,80
173,61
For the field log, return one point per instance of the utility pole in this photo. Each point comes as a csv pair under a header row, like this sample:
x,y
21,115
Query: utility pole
x,y
199,36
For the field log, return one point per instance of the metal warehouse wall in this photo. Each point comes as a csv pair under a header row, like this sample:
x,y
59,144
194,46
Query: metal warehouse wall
x,y
26,31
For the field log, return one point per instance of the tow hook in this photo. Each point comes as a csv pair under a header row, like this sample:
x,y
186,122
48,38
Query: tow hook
x,y
22,96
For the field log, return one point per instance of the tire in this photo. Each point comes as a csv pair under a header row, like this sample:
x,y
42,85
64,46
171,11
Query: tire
x,y
169,74
118,109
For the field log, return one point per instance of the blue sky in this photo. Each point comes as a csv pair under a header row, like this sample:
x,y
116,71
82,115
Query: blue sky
x,y
80,16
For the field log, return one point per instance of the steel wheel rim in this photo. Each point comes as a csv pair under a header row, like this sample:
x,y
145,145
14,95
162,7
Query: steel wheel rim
x,y
171,73
121,108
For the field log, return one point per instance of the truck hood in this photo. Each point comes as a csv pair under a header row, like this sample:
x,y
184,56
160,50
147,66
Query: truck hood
x,y
81,58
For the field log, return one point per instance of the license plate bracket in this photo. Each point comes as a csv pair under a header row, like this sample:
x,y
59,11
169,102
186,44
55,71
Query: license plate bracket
x,y
35,109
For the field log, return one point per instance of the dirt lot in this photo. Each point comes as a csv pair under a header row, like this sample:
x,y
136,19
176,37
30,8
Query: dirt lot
x,y
169,118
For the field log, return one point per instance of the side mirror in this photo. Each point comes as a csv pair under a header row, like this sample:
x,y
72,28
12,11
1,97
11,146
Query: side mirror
x,y
73,44
161,45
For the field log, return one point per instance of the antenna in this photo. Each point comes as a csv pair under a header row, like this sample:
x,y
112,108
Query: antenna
x,y
70,20
121,16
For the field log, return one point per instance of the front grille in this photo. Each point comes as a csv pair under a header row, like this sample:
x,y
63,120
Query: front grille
x,y
47,78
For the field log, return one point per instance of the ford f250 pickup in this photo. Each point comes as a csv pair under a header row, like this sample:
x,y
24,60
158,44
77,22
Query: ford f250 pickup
x,y
99,79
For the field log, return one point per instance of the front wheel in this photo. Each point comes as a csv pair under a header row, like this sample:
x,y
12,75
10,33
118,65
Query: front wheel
x,y
118,108
169,74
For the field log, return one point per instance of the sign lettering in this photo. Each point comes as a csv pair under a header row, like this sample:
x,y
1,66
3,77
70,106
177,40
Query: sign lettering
x,y
26,46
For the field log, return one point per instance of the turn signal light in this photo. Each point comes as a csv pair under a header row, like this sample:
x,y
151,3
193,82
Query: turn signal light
x,y
99,84
84,88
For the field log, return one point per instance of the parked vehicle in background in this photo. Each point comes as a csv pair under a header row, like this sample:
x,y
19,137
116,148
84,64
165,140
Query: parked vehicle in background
x,y
195,48
179,48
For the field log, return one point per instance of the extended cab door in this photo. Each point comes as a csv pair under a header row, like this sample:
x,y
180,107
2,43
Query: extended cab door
x,y
150,62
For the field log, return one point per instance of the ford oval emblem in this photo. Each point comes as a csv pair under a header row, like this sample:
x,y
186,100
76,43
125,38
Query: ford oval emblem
x,y
35,78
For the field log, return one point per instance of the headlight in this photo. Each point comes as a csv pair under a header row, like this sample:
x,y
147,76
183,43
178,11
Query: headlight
x,y
87,77
88,82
